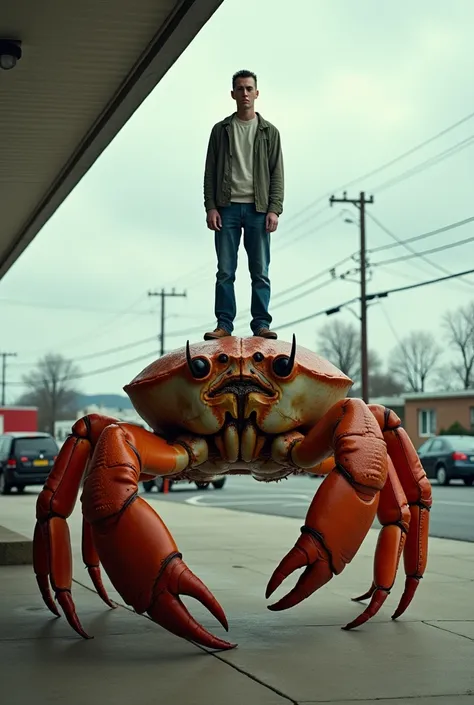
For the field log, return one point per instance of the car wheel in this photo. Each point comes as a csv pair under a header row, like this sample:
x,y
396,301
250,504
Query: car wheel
x,y
219,484
202,485
4,488
469,481
149,485
442,475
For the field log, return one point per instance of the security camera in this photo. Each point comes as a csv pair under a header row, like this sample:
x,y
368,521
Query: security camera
x,y
10,53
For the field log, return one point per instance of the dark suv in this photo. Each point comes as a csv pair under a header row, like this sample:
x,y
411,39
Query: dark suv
x,y
26,458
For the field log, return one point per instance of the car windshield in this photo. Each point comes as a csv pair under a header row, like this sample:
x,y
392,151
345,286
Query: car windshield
x,y
29,446
466,444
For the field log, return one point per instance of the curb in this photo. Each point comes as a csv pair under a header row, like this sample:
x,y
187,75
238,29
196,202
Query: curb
x,y
15,549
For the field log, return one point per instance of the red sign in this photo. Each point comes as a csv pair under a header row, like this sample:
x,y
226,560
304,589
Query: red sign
x,y
18,418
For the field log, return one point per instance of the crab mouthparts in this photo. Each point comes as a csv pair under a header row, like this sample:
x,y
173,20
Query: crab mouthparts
x,y
241,388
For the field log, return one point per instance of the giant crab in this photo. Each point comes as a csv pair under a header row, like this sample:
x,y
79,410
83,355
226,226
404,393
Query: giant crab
x,y
243,406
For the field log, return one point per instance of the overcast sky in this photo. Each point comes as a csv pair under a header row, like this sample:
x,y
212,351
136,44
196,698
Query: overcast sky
x,y
350,85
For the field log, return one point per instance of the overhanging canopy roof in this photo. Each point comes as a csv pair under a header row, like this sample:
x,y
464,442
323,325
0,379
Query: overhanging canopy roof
x,y
86,67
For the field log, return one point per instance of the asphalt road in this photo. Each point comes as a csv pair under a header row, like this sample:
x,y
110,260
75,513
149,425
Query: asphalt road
x,y
452,515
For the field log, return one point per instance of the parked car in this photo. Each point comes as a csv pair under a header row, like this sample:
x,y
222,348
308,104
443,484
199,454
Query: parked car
x,y
158,482
26,458
447,458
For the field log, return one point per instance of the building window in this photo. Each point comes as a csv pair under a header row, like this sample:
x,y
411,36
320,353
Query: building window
x,y
471,416
426,422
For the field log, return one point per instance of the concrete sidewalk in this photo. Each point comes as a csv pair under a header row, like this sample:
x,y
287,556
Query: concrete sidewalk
x,y
297,656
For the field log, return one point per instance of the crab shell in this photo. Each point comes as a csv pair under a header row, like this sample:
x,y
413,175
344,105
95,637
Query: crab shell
x,y
241,384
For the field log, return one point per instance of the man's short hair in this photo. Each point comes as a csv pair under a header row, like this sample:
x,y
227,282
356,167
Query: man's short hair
x,y
243,74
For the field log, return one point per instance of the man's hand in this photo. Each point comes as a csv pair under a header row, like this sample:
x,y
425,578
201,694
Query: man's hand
x,y
271,222
213,219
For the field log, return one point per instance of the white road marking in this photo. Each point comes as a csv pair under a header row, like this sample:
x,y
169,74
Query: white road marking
x,y
452,502
298,504
279,499
244,500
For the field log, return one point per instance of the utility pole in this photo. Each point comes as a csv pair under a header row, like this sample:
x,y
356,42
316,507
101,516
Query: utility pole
x,y
163,294
4,356
361,202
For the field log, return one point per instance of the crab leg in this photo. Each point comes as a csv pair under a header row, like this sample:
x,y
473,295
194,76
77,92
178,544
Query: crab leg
x,y
394,515
345,504
52,558
134,546
417,489
92,563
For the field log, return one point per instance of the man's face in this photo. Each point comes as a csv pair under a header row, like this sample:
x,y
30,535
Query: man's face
x,y
245,93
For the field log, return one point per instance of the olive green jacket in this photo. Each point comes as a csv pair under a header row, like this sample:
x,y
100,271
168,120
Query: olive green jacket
x,y
268,167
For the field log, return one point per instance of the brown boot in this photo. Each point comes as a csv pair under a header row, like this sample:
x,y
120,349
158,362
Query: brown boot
x,y
216,333
266,333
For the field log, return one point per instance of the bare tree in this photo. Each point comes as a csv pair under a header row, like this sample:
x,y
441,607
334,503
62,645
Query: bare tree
x,y
384,385
414,360
340,343
446,379
51,388
459,325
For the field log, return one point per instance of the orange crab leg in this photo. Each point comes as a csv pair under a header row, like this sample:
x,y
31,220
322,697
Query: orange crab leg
x,y
345,504
133,544
417,489
52,559
394,515
91,561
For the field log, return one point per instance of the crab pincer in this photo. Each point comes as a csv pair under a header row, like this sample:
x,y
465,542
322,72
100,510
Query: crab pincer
x,y
344,506
168,610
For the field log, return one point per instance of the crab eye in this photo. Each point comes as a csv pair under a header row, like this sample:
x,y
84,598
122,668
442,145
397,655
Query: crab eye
x,y
200,367
282,366
258,357
223,358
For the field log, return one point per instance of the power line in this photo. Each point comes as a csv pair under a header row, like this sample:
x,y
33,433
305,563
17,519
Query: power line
x,y
371,297
384,294
387,164
71,307
404,243
293,221
327,312
393,181
431,161
327,270
85,335
101,353
445,228
289,243
389,323
82,375
346,259
441,248
285,302
294,224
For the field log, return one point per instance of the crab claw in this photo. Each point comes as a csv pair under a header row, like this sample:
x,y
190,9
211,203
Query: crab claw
x,y
378,598
168,610
411,584
309,552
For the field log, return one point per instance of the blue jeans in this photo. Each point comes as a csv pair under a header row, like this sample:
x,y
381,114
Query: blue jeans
x,y
236,217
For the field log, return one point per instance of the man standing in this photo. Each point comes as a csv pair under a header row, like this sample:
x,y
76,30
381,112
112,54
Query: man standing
x,y
243,190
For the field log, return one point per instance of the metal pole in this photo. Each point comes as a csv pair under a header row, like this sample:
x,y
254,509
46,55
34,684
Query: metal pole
x,y
363,304
162,347
4,366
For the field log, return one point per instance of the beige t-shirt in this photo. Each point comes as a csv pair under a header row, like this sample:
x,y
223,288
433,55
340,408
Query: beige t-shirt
x,y
243,133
